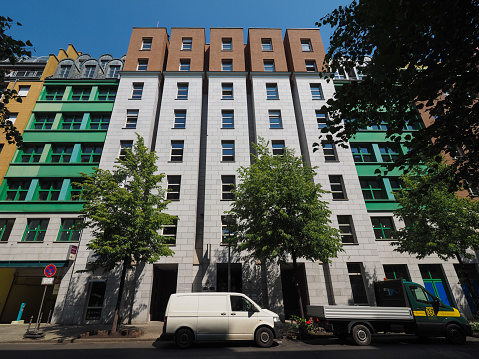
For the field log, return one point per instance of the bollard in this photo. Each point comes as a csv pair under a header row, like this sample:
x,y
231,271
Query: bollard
x,y
30,324
49,319
20,312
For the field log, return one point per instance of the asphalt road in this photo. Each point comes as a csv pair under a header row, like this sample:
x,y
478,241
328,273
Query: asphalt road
x,y
392,347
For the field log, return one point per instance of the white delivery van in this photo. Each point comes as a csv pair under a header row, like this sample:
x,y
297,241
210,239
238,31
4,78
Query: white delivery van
x,y
193,317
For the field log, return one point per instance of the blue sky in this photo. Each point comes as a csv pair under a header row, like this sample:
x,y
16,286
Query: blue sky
x,y
98,27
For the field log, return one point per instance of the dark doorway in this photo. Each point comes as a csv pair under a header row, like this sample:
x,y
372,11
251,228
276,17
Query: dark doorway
x,y
290,294
164,285
222,277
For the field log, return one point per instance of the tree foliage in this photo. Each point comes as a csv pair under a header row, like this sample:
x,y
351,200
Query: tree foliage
x,y
278,211
11,50
124,209
437,220
419,54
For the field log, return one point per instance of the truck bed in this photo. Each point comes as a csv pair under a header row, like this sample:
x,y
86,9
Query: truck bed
x,y
359,312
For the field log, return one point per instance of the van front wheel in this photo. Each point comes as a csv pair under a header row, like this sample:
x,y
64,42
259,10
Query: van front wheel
x,y
455,334
184,338
264,337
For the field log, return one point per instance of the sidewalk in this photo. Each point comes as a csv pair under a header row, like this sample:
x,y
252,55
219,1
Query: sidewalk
x,y
13,333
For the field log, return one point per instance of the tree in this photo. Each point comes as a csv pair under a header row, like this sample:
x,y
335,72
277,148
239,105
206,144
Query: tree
x,y
10,49
124,208
278,212
437,220
413,55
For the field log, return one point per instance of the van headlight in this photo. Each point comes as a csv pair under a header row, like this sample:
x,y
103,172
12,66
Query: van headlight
x,y
276,319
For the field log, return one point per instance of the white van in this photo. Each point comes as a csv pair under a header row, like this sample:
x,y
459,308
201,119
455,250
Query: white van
x,y
193,317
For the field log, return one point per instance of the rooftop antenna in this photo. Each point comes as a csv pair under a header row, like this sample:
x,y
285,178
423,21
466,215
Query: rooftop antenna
x,y
158,24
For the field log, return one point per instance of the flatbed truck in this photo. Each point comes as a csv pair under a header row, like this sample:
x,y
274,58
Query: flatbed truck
x,y
402,307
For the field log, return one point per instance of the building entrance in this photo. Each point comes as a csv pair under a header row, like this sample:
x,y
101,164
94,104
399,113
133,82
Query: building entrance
x,y
164,284
290,294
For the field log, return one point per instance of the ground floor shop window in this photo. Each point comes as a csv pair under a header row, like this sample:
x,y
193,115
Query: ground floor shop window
x,y
95,300
435,282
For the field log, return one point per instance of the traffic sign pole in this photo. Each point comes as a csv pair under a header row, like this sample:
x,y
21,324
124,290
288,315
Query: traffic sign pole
x,y
40,311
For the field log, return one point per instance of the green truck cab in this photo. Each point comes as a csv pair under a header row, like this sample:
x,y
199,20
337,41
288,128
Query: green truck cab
x,y
402,307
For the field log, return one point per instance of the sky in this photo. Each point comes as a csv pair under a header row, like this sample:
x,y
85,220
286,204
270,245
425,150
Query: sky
x,y
101,26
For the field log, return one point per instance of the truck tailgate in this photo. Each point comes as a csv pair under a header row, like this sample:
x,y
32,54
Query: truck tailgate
x,y
359,312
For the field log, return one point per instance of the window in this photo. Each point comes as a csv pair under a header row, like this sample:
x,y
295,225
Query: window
x,y
23,91
185,65
6,226
12,117
329,151
269,65
89,71
372,188
227,151
389,152
174,183
75,191
114,71
182,93
64,71
311,66
266,45
383,227
278,148
54,93
137,91
227,233
49,190
99,122
337,187
340,74
383,126
61,153
346,229
316,91
170,231
396,184
95,300
35,231
362,152
275,119
71,121
357,283
180,119
106,94
146,44
80,93
227,184
91,154
124,146
226,44
306,45
272,91
397,271
67,231
43,121
321,119
17,190
142,64
227,119
226,65
177,148
131,118
227,91
187,44
30,154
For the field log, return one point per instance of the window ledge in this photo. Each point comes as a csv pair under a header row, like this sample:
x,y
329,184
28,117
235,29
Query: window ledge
x,y
30,242
277,98
178,128
175,161
181,99
227,98
350,244
344,199
66,242
134,99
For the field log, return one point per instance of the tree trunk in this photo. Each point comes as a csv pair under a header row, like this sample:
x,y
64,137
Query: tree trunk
x,y
467,280
114,327
296,284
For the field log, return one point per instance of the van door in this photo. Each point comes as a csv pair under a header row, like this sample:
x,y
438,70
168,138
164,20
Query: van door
x,y
243,318
425,312
213,318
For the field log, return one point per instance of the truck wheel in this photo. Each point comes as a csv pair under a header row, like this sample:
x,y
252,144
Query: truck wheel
x,y
455,334
361,334
184,338
264,337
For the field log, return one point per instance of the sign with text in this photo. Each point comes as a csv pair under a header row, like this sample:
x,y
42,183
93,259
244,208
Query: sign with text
x,y
48,281
72,253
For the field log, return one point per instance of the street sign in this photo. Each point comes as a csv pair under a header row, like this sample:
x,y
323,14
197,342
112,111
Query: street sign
x,y
48,281
50,270
73,253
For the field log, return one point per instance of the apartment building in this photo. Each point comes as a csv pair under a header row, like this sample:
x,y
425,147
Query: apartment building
x,y
201,106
